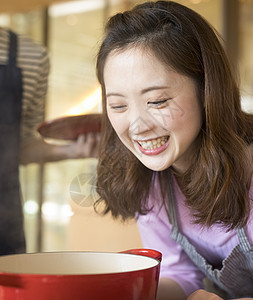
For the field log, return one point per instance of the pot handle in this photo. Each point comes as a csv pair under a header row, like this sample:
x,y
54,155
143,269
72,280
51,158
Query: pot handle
x,y
145,252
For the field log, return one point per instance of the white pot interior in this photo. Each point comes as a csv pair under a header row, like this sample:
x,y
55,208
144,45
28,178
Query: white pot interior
x,y
70,263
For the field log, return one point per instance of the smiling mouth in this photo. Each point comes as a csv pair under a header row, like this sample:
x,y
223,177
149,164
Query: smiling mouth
x,y
153,144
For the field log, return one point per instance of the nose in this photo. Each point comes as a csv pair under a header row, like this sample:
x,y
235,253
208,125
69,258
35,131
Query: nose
x,y
140,122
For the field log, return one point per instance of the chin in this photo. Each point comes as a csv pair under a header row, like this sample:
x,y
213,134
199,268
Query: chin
x,y
156,168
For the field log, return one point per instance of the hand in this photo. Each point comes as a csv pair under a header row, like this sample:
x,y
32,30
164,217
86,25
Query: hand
x,y
85,146
38,151
203,295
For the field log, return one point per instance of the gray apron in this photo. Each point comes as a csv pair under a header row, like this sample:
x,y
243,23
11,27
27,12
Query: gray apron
x,y
12,239
235,277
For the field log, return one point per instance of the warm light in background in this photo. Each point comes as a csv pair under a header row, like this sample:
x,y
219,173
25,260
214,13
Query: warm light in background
x,y
56,212
31,207
73,7
90,104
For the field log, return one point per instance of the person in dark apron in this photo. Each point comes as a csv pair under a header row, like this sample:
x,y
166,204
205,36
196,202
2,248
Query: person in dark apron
x,y
12,239
23,89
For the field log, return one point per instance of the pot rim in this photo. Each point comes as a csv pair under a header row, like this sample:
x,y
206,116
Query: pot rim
x,y
151,263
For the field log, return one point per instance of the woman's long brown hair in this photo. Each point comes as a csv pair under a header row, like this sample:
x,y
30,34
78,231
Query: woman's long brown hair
x,y
217,183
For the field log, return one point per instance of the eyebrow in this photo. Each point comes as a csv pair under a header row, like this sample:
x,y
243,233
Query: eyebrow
x,y
153,88
144,91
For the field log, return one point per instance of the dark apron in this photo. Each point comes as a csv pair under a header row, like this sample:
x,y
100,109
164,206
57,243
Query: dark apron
x,y
235,278
12,238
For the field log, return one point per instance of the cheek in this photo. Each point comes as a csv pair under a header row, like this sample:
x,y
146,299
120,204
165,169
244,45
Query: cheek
x,y
187,127
118,124
184,125
170,117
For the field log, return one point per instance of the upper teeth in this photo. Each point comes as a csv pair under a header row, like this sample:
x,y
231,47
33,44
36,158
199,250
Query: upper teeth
x,y
152,144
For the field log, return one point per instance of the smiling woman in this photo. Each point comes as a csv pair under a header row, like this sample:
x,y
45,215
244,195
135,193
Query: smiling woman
x,y
176,147
142,100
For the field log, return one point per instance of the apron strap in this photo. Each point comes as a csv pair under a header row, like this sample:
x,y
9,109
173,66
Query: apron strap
x,y
243,240
12,59
172,213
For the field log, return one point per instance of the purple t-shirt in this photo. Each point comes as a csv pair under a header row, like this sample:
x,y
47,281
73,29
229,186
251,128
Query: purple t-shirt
x,y
214,243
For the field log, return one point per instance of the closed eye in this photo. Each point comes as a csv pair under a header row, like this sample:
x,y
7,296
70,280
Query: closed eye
x,y
159,103
117,107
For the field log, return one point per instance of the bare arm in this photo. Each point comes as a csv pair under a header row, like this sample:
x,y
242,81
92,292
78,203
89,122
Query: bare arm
x,y
204,295
38,151
169,290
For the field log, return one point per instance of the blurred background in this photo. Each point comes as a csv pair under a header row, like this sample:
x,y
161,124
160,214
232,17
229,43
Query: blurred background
x,y
72,31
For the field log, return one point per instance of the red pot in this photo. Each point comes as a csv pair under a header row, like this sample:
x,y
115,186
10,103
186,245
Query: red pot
x,y
129,275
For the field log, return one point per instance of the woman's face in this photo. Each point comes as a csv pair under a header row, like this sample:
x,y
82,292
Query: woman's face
x,y
154,110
